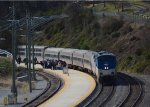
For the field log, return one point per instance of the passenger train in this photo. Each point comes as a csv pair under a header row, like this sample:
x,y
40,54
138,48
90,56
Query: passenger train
x,y
100,64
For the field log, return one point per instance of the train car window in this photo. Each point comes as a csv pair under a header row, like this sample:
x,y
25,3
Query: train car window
x,y
37,54
65,57
20,49
77,59
50,55
55,56
86,61
21,53
37,50
47,55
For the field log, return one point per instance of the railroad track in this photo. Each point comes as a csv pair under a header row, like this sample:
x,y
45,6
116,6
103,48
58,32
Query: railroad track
x,y
105,92
53,85
135,92
102,94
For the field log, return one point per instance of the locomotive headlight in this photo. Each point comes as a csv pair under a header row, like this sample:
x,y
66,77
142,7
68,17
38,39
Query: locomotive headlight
x,y
105,67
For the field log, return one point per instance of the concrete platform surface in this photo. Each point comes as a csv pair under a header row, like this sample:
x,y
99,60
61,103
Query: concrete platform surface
x,y
78,86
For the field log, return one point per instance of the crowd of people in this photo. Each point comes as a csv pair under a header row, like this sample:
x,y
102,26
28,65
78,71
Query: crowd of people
x,y
19,60
49,63
54,64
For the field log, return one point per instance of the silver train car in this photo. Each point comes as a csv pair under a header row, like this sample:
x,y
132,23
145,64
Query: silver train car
x,y
100,64
38,52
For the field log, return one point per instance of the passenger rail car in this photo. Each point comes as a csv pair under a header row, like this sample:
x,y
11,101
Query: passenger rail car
x,y
100,64
67,55
38,52
52,53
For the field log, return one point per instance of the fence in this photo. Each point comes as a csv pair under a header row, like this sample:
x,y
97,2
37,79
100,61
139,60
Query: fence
x,y
141,19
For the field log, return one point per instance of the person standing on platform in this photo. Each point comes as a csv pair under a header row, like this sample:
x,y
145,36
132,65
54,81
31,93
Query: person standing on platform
x,y
35,60
19,60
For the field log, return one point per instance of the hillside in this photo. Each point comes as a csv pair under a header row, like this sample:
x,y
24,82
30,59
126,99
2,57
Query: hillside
x,y
83,30
129,41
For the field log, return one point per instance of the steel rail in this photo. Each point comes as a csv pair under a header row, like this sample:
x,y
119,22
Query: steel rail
x,y
135,93
53,86
97,100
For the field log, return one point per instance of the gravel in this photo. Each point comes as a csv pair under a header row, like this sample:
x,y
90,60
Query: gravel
x,y
146,84
121,92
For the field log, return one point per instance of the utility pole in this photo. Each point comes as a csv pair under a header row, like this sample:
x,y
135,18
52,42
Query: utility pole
x,y
33,70
14,88
29,50
26,62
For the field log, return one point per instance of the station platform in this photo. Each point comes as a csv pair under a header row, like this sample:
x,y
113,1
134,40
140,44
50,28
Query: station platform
x,y
78,86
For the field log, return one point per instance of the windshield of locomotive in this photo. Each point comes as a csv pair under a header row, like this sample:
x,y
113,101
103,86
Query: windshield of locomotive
x,y
106,62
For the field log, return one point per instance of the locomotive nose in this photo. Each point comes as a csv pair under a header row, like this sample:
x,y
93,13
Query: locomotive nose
x,y
106,66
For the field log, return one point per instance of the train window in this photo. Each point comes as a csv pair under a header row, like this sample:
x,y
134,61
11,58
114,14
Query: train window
x,y
37,54
50,55
47,55
65,57
21,53
55,56
78,59
38,50
21,49
86,61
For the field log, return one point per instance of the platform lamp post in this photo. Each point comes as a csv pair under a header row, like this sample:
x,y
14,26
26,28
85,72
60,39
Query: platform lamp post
x,y
13,87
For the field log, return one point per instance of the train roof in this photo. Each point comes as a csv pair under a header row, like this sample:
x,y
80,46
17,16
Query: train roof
x,y
81,51
35,46
86,52
54,49
68,50
101,53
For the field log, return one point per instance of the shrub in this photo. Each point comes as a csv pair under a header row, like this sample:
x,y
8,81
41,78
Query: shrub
x,y
5,65
139,66
115,34
111,25
138,52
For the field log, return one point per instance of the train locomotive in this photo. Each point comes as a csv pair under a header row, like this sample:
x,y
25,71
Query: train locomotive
x,y
100,64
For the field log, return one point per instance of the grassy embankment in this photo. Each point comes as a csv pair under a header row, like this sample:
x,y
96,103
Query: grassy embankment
x,y
6,76
5,72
